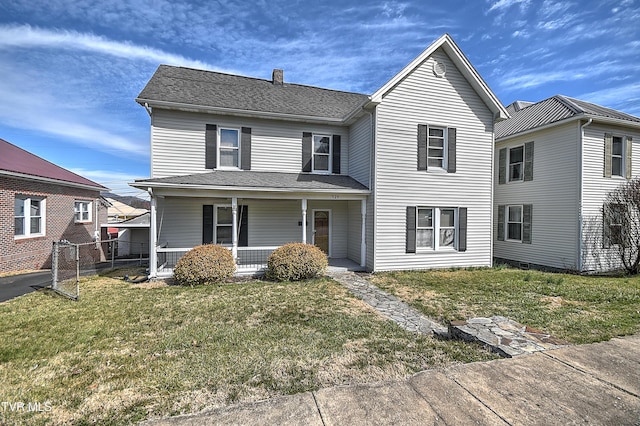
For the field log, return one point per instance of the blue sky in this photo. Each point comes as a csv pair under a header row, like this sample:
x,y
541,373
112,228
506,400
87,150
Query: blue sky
x,y
71,69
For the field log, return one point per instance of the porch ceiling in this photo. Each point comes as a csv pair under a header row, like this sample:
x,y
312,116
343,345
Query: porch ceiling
x,y
253,183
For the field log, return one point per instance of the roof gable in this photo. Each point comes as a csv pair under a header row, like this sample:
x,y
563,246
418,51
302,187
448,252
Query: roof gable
x,y
557,109
464,66
179,87
18,162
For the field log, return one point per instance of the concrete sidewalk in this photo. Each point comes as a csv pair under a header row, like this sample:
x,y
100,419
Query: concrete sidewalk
x,y
589,384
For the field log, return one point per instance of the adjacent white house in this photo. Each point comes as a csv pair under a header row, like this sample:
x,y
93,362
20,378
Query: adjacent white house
x,y
400,179
556,160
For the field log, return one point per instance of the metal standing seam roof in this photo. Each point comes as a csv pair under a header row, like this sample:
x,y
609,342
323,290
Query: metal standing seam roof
x,y
16,160
200,88
260,181
555,109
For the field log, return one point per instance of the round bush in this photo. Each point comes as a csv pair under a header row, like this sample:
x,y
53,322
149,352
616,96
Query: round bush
x,y
205,264
295,262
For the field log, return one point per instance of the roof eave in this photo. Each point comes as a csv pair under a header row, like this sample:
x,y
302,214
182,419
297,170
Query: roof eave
x,y
148,184
53,181
239,112
463,64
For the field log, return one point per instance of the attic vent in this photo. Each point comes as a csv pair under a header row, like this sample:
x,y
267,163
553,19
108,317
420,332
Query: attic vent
x,y
439,69
277,78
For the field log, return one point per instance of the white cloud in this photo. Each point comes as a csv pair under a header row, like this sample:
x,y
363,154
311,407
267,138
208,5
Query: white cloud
x,y
117,182
505,4
26,36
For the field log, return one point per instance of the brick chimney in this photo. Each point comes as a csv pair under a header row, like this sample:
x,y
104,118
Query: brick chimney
x,y
277,78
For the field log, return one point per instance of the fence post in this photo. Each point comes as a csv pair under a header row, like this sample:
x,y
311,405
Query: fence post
x,y
77,246
113,250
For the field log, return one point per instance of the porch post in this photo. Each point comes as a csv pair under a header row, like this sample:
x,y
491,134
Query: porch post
x,y
153,238
304,221
363,240
234,227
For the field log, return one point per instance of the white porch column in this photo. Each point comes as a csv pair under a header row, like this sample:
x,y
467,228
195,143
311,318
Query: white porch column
x,y
153,238
304,221
234,227
363,239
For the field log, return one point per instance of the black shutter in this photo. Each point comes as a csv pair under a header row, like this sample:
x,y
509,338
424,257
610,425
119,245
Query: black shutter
x,y
422,147
306,151
411,229
501,223
207,224
606,230
528,161
451,150
527,211
245,149
211,146
336,154
243,237
629,158
462,229
502,166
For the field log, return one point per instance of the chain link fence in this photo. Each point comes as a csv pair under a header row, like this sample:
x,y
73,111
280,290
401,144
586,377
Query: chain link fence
x,y
70,261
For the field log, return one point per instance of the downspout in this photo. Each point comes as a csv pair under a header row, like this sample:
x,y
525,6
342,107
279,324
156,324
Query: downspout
x,y
581,192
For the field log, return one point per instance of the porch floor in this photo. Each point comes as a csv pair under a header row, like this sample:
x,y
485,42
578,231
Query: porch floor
x,y
343,264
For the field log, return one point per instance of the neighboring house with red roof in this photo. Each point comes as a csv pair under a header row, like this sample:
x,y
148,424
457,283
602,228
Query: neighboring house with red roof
x,y
555,162
41,203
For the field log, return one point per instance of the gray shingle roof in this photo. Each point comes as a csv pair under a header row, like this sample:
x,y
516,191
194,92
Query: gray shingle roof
x,y
556,109
261,180
201,88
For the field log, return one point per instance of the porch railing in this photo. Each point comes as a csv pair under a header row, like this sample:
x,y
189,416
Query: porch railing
x,y
250,259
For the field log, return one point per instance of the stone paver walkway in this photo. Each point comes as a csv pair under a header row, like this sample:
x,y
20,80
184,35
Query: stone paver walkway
x,y
388,305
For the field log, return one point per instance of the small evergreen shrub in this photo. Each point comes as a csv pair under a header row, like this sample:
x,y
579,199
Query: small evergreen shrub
x,y
205,264
295,262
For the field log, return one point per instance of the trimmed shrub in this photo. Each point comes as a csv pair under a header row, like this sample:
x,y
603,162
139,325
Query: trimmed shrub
x,y
295,262
205,264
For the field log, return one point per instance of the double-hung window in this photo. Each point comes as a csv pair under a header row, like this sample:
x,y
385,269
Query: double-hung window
x,y
436,228
614,216
322,153
617,156
82,211
516,163
28,216
514,223
436,147
229,148
224,225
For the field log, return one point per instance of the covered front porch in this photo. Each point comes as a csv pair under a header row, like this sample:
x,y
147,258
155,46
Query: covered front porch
x,y
253,221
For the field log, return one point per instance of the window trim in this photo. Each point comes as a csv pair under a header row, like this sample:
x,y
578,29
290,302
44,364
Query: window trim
x,y
329,155
622,156
507,222
27,217
89,211
522,163
436,228
445,148
216,225
220,148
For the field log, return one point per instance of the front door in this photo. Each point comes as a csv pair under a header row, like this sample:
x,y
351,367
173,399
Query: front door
x,y
321,230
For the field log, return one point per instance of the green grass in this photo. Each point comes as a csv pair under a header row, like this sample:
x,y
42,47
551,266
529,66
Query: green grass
x,y
579,309
125,352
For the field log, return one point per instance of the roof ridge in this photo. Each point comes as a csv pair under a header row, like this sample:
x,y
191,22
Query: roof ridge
x,y
568,102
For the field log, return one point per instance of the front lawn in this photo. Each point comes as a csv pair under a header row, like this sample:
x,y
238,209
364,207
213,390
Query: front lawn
x,y
580,309
127,352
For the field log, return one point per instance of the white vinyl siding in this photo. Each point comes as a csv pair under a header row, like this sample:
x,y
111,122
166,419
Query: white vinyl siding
x,y
448,101
595,189
554,195
360,149
178,142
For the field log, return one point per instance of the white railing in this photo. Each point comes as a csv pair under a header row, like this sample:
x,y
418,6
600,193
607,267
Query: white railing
x,y
249,259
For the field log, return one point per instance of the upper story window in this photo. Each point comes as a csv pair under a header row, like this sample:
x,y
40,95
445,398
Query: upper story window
x,y
618,152
436,148
229,155
29,216
516,162
82,210
322,153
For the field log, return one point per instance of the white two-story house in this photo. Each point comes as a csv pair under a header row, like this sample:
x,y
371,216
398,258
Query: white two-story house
x,y
556,162
399,179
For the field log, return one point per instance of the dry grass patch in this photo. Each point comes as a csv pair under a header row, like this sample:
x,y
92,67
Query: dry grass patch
x,y
127,352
